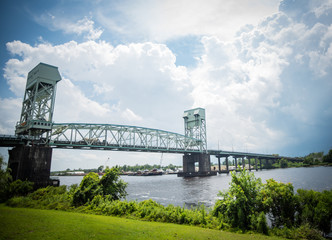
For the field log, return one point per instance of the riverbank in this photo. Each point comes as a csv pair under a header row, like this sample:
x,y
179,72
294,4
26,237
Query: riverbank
x,y
24,223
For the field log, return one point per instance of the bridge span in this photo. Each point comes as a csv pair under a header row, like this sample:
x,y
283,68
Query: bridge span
x,y
36,135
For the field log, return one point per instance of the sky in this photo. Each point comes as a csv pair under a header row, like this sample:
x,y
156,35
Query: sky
x,y
261,69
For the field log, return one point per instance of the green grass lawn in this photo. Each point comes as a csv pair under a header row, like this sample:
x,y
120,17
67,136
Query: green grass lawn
x,y
24,223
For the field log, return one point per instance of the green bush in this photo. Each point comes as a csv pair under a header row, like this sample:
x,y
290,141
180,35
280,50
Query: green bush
x,y
87,190
112,185
328,157
5,179
279,202
262,226
20,188
241,204
283,163
109,185
315,209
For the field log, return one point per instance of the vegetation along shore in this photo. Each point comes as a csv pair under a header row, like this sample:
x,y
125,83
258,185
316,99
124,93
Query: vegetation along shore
x,y
248,208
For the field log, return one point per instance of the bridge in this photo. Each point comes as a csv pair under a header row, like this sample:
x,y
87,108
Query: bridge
x,y
36,135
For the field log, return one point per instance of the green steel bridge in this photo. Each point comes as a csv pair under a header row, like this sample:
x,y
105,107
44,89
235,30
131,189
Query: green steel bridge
x,y
36,135
36,127
115,137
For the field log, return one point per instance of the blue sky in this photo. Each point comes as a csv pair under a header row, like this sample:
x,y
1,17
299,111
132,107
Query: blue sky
x,y
261,69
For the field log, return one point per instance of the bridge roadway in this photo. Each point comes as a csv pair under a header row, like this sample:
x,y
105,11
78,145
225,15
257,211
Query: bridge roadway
x,y
122,138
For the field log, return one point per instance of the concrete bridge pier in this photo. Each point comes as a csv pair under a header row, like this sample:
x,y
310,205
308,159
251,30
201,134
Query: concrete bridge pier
x,y
219,165
204,165
249,163
32,163
235,158
219,168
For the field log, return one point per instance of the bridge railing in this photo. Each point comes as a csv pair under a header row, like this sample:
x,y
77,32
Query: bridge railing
x,y
120,137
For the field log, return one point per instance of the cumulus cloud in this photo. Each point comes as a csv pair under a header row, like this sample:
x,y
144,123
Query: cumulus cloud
x,y
135,84
269,88
106,84
266,90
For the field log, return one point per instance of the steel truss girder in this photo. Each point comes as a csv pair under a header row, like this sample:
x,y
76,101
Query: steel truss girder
x,y
121,138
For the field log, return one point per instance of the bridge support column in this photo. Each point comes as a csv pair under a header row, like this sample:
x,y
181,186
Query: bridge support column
x,y
243,163
204,164
227,164
32,163
219,168
249,163
188,164
235,158
256,164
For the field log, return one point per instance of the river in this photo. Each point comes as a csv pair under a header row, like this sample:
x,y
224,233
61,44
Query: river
x,y
170,189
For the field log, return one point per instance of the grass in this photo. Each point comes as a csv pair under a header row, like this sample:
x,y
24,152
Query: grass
x,y
25,223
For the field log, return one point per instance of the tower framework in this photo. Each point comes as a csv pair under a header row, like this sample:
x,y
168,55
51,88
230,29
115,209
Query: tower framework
x,y
38,103
195,126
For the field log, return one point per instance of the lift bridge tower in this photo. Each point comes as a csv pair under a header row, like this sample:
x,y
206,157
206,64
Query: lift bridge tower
x,y
195,127
38,103
33,160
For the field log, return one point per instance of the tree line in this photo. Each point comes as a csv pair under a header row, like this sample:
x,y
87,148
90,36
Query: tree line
x,y
124,168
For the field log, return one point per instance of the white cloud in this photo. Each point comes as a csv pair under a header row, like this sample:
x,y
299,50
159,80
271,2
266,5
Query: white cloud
x,y
10,110
164,20
130,115
133,82
142,84
324,8
83,27
267,90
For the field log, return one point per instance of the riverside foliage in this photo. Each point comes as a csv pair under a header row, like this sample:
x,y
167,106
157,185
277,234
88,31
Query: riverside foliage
x,y
243,207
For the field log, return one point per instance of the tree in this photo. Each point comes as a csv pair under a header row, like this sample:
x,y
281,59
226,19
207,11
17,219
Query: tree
x,y
5,180
20,188
109,185
308,161
328,157
279,202
315,209
283,163
240,206
87,190
112,185
100,168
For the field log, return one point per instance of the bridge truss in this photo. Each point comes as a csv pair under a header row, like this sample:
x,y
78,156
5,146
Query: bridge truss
x,y
121,138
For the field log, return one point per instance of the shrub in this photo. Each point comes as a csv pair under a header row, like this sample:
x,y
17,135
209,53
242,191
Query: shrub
x,y
109,185
241,203
283,163
262,226
5,179
112,184
279,202
315,209
20,188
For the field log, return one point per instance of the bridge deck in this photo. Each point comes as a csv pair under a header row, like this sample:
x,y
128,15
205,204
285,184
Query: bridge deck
x,y
12,141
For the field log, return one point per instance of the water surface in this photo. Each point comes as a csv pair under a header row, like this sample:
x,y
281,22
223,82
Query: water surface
x,y
170,189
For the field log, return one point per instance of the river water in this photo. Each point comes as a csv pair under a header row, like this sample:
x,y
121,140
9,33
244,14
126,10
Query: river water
x,y
170,189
